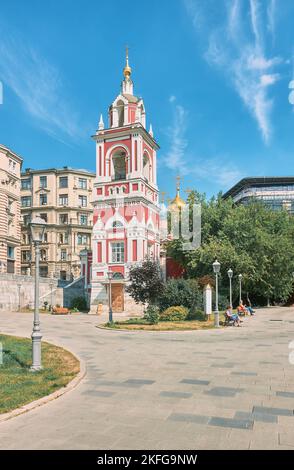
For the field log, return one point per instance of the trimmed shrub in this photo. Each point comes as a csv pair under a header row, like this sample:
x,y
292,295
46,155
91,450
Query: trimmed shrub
x,y
183,292
79,303
175,313
196,314
151,314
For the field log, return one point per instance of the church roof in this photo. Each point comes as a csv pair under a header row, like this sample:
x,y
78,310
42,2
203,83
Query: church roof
x,y
131,98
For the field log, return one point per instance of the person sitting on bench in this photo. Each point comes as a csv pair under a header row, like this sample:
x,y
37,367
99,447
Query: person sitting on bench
x,y
241,309
232,316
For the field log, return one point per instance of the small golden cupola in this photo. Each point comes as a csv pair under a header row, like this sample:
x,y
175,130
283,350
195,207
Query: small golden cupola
x,y
127,70
177,203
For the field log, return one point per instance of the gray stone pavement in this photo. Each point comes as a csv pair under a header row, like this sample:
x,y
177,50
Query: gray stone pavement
x,y
231,388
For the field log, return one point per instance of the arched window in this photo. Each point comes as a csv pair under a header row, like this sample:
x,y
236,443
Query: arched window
x,y
117,224
120,109
119,166
118,276
146,166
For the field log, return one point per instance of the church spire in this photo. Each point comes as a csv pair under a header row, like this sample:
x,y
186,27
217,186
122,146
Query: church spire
x,y
127,69
127,84
177,203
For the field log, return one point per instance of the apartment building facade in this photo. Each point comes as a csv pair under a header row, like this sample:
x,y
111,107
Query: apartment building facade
x,y
10,229
276,192
62,197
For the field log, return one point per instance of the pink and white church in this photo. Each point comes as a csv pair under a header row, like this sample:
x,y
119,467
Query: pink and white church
x,y
125,197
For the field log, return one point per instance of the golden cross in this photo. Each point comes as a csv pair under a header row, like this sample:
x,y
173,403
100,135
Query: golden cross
x,y
163,193
178,179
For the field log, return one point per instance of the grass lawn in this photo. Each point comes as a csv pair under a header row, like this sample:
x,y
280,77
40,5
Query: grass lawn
x,y
18,385
139,323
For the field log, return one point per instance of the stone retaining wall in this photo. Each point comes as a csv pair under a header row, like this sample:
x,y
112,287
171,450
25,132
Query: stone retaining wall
x,y
11,295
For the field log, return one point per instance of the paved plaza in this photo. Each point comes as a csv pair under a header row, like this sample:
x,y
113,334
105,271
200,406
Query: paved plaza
x,y
231,388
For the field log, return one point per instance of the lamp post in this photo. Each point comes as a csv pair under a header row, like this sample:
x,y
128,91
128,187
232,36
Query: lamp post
x,y
37,226
19,302
240,287
110,276
216,270
51,284
230,274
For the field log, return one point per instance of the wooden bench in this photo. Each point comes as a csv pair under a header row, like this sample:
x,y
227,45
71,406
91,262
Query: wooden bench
x,y
60,311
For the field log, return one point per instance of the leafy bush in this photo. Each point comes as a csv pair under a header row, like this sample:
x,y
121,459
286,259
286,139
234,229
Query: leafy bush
x,y
196,314
183,292
175,313
79,303
151,314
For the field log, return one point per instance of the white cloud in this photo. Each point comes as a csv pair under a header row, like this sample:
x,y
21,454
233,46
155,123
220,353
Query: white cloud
x,y
269,79
39,87
237,46
180,159
175,157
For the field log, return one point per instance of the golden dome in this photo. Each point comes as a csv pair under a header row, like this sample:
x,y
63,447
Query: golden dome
x,y
127,70
177,202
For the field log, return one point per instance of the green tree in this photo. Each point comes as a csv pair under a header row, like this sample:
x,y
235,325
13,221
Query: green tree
x,y
146,283
251,239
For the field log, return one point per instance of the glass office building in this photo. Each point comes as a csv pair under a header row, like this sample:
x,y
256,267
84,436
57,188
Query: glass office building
x,y
277,192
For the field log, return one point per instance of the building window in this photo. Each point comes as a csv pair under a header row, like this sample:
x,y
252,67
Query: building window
x,y
10,252
63,199
82,183
26,183
43,199
43,255
63,255
83,219
62,275
63,218
26,201
43,270
63,182
63,238
12,166
117,224
83,201
82,239
43,181
118,252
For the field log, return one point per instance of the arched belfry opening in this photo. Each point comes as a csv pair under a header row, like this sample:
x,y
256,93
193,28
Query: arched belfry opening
x,y
121,113
146,167
119,165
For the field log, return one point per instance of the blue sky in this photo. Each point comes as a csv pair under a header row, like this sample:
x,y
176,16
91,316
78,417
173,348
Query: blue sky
x,y
214,75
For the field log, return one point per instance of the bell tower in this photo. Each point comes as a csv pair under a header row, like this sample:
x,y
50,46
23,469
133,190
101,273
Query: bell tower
x,y
125,195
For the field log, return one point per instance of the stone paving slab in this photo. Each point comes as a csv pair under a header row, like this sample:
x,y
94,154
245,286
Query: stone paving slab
x,y
153,390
